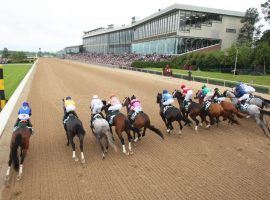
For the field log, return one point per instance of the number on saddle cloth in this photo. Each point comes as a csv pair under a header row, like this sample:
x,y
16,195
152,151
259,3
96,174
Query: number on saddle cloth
x,y
23,123
206,105
111,116
166,108
243,107
134,114
97,116
186,105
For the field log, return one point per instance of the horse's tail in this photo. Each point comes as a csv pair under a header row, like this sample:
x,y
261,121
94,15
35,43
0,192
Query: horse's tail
x,y
266,103
110,139
79,129
264,112
238,114
14,151
157,131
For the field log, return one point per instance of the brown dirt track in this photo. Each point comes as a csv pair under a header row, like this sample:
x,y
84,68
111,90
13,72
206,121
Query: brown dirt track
x,y
225,162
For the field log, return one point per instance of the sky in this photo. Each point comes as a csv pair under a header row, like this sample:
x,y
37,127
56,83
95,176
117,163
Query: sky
x,y
54,24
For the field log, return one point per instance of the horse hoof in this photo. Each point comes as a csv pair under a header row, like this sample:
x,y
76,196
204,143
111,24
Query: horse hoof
x,y
196,129
201,124
131,152
248,116
19,177
76,159
180,132
83,161
126,153
136,139
168,130
207,126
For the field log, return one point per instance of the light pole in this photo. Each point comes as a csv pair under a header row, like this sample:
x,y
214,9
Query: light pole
x,y
235,62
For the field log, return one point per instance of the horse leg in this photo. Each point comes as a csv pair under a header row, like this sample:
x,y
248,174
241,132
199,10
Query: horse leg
x,y
166,124
122,142
67,139
144,130
102,149
81,148
9,166
73,149
23,155
181,127
193,117
129,141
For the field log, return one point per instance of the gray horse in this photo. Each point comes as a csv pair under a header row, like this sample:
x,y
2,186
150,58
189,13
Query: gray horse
x,y
253,111
101,131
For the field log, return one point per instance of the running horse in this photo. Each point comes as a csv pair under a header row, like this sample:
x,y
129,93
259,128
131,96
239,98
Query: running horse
x,y
140,121
170,115
194,109
75,128
18,148
214,111
121,123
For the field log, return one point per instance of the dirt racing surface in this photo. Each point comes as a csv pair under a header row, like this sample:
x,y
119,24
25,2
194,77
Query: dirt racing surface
x,y
225,162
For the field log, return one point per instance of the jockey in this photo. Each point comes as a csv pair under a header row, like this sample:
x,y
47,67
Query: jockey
x,y
218,96
206,93
167,98
115,106
243,91
96,107
24,115
187,93
69,108
135,106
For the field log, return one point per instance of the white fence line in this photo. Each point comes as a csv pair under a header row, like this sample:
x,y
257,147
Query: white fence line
x,y
9,107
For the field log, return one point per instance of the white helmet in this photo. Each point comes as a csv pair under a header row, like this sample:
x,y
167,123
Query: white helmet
x,y
95,96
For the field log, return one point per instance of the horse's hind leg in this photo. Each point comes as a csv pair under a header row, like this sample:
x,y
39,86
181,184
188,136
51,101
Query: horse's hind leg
x,y
129,141
102,149
9,166
73,150
81,148
123,143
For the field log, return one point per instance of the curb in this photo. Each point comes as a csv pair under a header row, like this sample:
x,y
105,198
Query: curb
x,y
9,107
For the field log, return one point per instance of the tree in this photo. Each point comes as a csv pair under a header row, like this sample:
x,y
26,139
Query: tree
x,y
266,10
265,37
262,55
18,57
249,28
5,53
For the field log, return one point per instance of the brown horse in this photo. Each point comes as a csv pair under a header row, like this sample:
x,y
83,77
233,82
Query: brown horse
x,y
193,111
20,138
215,111
121,123
140,121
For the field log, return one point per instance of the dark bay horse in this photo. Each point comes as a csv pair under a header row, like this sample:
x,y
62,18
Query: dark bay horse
x,y
171,114
193,111
140,121
75,128
214,111
19,141
121,123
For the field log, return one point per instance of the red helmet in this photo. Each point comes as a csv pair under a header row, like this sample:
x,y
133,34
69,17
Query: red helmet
x,y
183,86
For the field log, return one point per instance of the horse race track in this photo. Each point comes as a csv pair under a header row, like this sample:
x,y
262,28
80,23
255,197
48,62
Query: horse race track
x,y
225,162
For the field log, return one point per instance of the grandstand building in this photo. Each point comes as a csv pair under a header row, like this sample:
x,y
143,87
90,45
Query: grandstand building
x,y
174,30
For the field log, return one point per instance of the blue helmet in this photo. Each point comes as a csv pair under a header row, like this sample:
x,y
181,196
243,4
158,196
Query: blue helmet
x,y
25,104
68,97
165,91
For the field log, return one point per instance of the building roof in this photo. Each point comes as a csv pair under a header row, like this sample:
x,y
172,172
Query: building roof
x,y
167,10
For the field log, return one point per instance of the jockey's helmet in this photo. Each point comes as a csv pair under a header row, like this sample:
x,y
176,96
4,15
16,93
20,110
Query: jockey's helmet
x,y
216,89
95,96
165,91
204,86
133,97
112,95
68,97
25,104
183,86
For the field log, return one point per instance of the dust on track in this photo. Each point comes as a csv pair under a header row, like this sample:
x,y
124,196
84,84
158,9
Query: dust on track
x,y
225,162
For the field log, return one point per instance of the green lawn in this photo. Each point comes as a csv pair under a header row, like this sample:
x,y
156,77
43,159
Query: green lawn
x,y
260,80
13,74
